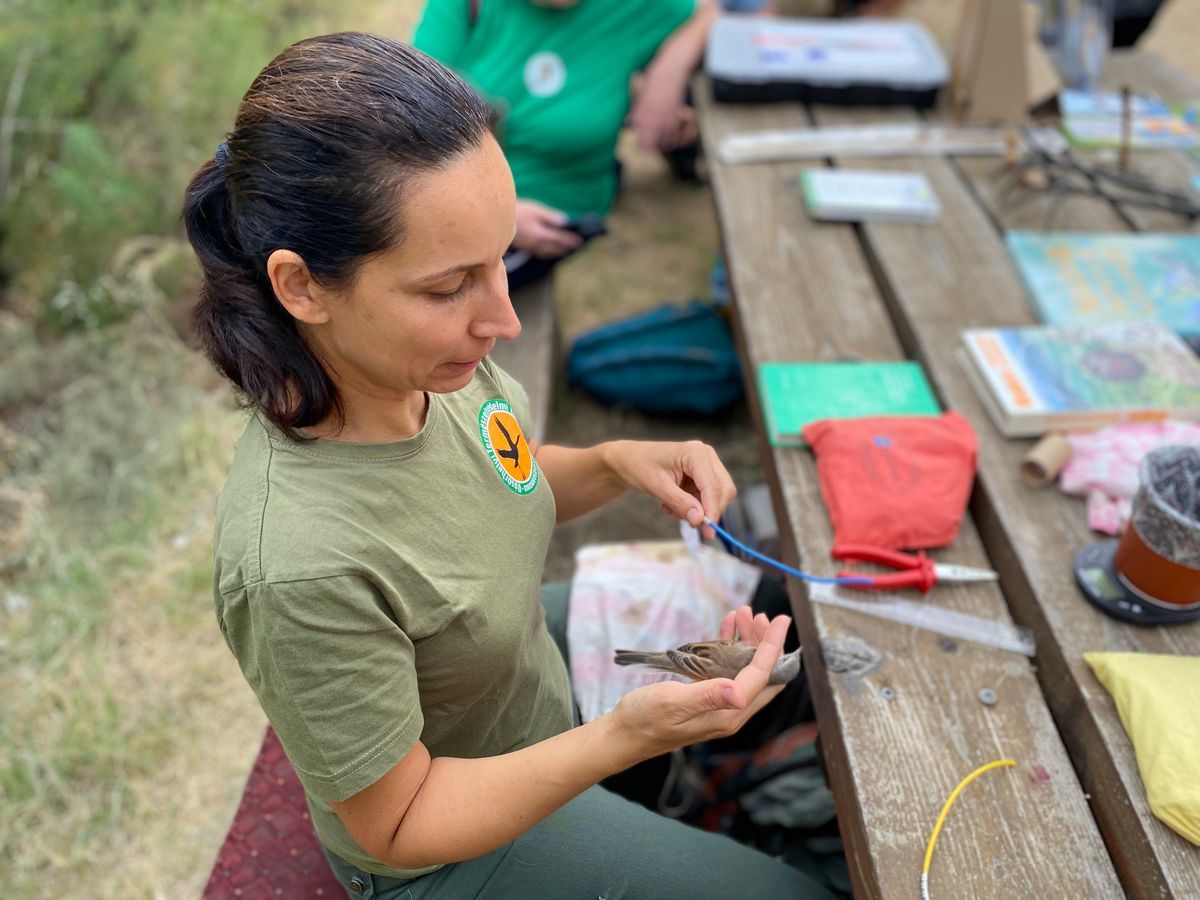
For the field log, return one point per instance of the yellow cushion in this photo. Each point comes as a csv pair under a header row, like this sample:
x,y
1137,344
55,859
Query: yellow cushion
x,y
1158,700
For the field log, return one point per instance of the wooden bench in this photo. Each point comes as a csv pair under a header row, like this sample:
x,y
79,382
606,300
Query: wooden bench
x,y
1076,823
532,358
937,282
270,850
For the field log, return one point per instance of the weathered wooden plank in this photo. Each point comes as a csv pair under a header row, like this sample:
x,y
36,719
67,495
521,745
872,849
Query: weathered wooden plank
x,y
1044,210
532,358
938,280
1000,193
839,301
898,741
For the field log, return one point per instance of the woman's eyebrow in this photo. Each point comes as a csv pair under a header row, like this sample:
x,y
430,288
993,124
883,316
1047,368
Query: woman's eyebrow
x,y
453,270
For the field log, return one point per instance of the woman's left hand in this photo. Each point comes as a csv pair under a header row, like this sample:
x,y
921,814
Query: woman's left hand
x,y
659,115
687,478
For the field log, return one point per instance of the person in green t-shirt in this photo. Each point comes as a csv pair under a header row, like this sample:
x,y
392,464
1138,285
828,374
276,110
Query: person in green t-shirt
x,y
558,73
381,532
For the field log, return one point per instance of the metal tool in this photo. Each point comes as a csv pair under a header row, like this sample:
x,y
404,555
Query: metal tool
x,y
950,622
917,570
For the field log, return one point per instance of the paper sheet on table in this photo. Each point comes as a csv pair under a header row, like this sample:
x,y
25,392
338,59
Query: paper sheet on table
x,y
644,595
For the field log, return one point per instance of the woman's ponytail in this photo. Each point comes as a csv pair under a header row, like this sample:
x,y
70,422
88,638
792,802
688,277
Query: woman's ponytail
x,y
245,332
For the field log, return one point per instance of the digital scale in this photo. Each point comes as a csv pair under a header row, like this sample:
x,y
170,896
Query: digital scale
x,y
1106,588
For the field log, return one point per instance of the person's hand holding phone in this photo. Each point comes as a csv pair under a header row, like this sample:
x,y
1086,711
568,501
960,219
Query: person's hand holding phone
x,y
541,231
587,225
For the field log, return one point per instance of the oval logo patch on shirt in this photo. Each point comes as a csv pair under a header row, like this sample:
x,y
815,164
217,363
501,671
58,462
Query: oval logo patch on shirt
x,y
505,444
545,74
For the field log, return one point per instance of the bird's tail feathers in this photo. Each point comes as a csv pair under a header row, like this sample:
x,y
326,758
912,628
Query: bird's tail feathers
x,y
639,658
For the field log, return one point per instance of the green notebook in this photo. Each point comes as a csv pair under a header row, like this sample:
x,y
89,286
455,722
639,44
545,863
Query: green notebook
x,y
794,394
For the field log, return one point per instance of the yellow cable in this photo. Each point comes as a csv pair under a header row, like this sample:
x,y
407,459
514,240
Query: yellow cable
x,y
941,819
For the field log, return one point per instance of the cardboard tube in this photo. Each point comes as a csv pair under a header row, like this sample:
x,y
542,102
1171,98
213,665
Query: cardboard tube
x,y
1045,459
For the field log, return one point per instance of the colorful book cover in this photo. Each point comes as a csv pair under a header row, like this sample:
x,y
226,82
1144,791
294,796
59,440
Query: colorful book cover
x,y
794,394
1096,119
1189,111
1042,378
1082,278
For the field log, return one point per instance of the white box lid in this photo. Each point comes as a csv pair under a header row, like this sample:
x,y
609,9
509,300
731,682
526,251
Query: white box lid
x,y
896,53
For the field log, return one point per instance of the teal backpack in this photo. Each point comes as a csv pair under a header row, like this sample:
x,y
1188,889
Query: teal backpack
x,y
676,359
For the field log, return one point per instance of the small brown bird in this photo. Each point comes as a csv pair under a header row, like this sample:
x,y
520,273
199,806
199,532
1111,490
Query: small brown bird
x,y
710,659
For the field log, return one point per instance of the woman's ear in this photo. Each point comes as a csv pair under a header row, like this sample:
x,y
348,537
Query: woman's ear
x,y
296,289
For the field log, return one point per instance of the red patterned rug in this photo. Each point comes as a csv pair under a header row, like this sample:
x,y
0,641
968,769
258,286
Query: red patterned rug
x,y
271,850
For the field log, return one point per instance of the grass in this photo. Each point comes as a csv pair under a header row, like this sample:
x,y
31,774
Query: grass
x,y
126,730
112,675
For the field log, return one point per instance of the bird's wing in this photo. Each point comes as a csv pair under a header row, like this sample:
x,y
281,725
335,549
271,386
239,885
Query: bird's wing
x,y
697,666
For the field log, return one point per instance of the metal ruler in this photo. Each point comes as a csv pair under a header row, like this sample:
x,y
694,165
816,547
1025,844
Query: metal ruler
x,y
883,139
950,622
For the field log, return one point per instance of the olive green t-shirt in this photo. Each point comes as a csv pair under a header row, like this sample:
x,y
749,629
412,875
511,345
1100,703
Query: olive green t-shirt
x,y
559,79
375,595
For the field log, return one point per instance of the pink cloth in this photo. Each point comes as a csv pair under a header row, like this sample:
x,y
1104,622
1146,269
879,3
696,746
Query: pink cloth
x,y
645,595
1104,467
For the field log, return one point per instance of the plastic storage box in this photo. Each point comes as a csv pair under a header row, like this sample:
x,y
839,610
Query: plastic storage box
x,y
857,62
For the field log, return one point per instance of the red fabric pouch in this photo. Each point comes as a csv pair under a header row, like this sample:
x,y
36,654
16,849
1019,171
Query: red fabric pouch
x,y
895,481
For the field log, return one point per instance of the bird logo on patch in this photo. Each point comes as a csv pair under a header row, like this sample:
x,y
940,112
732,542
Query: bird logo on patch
x,y
507,448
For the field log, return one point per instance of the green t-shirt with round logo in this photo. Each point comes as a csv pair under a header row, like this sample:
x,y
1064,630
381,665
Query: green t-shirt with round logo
x,y
379,594
560,81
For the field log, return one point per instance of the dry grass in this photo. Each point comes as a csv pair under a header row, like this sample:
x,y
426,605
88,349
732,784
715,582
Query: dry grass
x,y
122,709
661,244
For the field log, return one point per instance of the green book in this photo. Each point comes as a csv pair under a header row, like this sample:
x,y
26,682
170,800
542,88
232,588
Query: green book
x,y
794,394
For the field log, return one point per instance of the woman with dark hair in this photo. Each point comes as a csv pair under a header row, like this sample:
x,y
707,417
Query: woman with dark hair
x,y
380,535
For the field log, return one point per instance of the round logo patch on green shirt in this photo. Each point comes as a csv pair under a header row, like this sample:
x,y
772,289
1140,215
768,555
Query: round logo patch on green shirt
x,y
506,447
545,74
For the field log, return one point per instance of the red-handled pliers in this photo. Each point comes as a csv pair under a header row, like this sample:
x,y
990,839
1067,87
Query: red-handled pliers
x,y
919,571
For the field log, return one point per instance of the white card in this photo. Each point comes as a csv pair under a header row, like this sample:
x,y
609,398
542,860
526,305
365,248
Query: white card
x,y
856,195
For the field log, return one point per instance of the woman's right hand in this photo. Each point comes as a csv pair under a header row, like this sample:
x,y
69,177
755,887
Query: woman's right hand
x,y
412,815
660,717
540,231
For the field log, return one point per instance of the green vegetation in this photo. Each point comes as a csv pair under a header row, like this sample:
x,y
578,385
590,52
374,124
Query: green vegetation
x,y
113,104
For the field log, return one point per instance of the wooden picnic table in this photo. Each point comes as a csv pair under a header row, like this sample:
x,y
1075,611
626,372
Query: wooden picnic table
x,y
1071,820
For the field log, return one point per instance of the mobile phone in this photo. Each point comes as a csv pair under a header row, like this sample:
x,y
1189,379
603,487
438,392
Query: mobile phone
x,y
586,225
